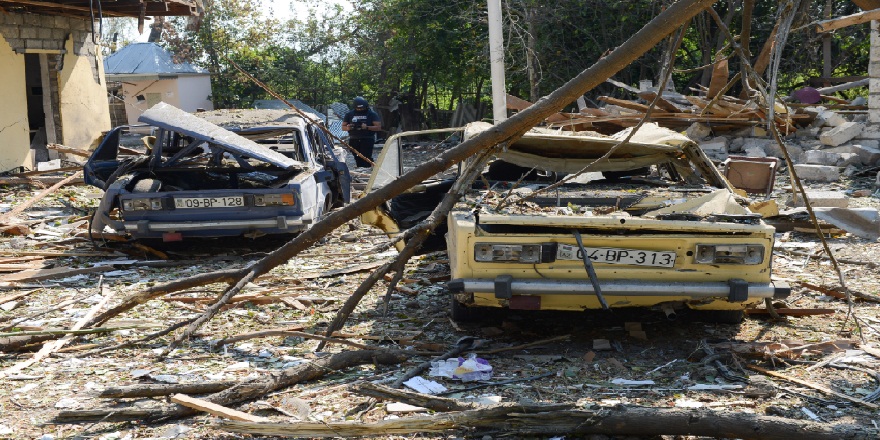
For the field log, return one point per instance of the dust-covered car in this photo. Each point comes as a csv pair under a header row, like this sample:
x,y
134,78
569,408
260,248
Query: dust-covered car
x,y
653,224
192,178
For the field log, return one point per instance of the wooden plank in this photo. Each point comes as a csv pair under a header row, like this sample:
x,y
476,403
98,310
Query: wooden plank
x,y
814,386
849,20
720,75
57,272
519,104
216,410
15,296
624,103
662,103
4,219
845,86
593,112
20,267
53,346
48,106
61,6
56,253
623,86
704,104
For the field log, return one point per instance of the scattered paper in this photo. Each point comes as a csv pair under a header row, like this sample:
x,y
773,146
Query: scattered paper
x,y
811,414
688,403
425,386
707,386
398,407
466,370
620,381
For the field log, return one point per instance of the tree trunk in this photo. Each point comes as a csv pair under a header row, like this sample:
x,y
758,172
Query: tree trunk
x,y
617,421
532,55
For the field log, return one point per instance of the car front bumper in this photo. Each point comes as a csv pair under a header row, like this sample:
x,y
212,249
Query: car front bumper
x,y
280,223
505,287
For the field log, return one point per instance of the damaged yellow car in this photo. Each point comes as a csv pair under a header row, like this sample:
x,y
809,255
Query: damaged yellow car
x,y
650,223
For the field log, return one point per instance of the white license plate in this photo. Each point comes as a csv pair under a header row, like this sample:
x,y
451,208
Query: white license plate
x,y
208,202
634,257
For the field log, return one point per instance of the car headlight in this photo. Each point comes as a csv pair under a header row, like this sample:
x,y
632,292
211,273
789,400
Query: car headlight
x,y
515,253
275,200
729,254
142,204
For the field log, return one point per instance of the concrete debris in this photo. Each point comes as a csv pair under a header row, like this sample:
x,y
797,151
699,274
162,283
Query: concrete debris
x,y
698,131
716,148
861,222
821,173
841,134
827,199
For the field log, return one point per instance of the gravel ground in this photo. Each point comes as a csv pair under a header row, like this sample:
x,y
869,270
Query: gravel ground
x,y
824,350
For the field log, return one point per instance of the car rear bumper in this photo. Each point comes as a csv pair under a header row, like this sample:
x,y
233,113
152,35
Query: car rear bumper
x,y
280,223
505,286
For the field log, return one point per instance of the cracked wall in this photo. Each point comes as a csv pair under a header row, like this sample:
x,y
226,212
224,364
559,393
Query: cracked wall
x,y
75,76
15,150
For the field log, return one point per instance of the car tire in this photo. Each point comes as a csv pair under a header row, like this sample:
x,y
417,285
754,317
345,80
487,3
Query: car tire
x,y
719,316
146,186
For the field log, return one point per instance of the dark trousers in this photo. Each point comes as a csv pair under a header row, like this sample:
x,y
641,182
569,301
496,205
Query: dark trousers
x,y
363,146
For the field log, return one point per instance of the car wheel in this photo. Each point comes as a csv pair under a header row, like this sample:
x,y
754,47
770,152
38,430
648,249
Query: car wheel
x,y
719,316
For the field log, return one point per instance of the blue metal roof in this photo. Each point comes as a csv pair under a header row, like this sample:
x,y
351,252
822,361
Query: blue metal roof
x,y
146,59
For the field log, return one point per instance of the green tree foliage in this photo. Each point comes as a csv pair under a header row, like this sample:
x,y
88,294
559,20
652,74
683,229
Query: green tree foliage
x,y
429,53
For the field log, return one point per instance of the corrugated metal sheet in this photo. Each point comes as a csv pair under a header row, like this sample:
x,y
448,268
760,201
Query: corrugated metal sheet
x,y
336,128
276,104
339,108
146,59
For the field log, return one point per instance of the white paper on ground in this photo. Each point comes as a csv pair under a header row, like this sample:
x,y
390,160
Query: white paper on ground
x,y
425,386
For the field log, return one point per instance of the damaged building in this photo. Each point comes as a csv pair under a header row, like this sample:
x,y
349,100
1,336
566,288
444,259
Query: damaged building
x,y
53,77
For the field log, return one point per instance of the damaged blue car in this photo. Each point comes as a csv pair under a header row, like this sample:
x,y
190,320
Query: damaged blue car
x,y
193,178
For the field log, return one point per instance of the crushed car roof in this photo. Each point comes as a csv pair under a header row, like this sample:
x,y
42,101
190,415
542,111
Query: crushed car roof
x,y
171,118
562,151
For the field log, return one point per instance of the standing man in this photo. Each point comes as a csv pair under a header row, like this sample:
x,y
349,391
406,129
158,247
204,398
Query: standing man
x,y
362,123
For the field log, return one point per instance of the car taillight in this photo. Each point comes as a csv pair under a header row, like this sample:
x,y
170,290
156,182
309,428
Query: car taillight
x,y
275,200
142,204
729,254
515,253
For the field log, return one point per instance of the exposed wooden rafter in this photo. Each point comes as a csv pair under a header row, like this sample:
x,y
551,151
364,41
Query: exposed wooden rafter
x,y
118,8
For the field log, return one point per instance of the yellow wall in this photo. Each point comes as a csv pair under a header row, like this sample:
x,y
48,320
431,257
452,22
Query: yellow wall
x,y
167,88
15,149
84,109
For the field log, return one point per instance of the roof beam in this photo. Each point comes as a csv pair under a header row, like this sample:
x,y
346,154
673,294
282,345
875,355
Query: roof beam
x,y
849,20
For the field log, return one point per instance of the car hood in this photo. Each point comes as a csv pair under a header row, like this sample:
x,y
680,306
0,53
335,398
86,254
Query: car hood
x,y
569,152
171,118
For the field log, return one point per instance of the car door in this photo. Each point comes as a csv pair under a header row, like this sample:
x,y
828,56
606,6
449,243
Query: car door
x,y
340,182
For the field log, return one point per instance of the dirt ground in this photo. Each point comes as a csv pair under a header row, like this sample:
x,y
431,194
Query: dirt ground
x,y
667,362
